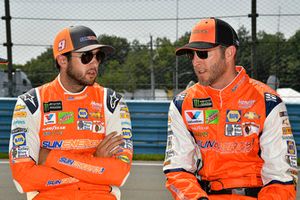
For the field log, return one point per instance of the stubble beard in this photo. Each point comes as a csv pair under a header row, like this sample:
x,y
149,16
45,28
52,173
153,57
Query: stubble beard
x,y
78,77
216,71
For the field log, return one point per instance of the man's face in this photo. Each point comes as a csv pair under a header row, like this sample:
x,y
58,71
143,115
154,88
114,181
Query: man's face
x,y
83,74
210,70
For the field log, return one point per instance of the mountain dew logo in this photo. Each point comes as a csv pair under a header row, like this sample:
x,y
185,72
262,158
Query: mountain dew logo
x,y
65,117
211,116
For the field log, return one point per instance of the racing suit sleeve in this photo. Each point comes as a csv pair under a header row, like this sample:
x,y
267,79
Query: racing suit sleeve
x,y
182,159
278,150
108,171
24,149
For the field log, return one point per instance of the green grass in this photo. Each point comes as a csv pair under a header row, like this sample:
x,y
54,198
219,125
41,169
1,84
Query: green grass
x,y
152,157
3,155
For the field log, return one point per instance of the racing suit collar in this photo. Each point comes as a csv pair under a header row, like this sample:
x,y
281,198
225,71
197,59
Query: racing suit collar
x,y
236,83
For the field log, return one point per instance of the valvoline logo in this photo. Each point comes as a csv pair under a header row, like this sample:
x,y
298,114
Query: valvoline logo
x,y
49,118
194,116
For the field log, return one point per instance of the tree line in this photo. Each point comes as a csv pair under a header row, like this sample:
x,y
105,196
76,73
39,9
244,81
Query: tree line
x,y
129,68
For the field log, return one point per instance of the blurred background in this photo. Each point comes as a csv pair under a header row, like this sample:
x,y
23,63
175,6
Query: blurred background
x,y
145,34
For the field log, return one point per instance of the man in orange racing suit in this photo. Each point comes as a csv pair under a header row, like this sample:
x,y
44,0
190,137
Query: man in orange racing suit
x,y
71,138
229,136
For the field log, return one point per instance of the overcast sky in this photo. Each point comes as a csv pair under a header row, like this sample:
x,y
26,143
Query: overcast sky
x,y
36,22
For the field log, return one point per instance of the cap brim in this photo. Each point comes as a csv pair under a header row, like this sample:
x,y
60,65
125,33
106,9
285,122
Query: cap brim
x,y
3,61
108,50
194,46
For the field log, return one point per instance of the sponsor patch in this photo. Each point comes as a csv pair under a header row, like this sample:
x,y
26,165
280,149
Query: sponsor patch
x,y
19,107
194,116
245,104
82,113
124,115
286,122
250,128
126,132
49,118
18,122
227,147
81,165
75,98
84,125
52,106
270,97
70,144
98,127
96,115
96,106
20,152
291,148
287,131
202,103
233,130
62,181
19,130
19,114
124,158
19,139
65,117
251,115
283,114
169,154
233,116
292,160
211,116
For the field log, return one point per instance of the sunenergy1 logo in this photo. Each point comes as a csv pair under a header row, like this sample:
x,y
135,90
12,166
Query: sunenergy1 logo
x,y
194,116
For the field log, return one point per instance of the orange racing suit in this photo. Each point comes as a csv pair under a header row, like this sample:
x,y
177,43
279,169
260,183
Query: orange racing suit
x,y
233,143
71,125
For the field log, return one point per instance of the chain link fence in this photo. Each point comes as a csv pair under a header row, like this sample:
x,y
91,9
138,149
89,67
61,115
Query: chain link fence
x,y
146,34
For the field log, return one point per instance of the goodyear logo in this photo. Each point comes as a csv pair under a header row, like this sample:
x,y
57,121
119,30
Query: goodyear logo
x,y
19,139
233,115
83,113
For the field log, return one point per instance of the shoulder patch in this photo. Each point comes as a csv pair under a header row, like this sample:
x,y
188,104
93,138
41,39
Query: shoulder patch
x,y
178,100
112,99
271,101
30,99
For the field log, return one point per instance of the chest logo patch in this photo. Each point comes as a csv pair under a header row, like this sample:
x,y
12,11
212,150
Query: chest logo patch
x,y
233,116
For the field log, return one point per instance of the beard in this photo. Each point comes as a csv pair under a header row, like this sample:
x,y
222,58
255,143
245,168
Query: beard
x,y
79,77
216,71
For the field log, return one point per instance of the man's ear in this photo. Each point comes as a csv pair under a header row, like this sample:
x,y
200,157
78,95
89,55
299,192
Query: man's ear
x,y
230,52
62,61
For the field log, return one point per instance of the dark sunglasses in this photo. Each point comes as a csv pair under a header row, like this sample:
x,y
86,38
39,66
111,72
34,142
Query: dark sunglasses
x,y
87,57
200,54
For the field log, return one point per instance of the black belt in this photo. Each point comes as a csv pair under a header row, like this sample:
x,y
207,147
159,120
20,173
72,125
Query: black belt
x,y
251,192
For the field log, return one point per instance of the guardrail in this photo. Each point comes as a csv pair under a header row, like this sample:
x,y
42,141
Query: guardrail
x,y
149,124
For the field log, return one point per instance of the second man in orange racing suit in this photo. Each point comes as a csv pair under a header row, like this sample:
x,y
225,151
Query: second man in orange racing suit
x,y
229,136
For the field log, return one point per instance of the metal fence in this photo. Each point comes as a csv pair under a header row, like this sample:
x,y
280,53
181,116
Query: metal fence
x,y
149,124
146,33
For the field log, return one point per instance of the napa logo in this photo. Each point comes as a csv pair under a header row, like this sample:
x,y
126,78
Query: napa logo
x,y
83,113
233,116
194,116
126,133
19,139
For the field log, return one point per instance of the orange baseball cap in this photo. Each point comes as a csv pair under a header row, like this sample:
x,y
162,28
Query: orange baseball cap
x,y
3,61
78,39
209,33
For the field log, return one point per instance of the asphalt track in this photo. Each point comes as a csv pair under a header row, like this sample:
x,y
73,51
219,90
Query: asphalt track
x,y
145,182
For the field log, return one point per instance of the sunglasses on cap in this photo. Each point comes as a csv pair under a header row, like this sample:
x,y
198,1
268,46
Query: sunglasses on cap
x,y
87,57
200,54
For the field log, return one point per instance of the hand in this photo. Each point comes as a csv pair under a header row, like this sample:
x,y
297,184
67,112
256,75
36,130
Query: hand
x,y
43,155
109,145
